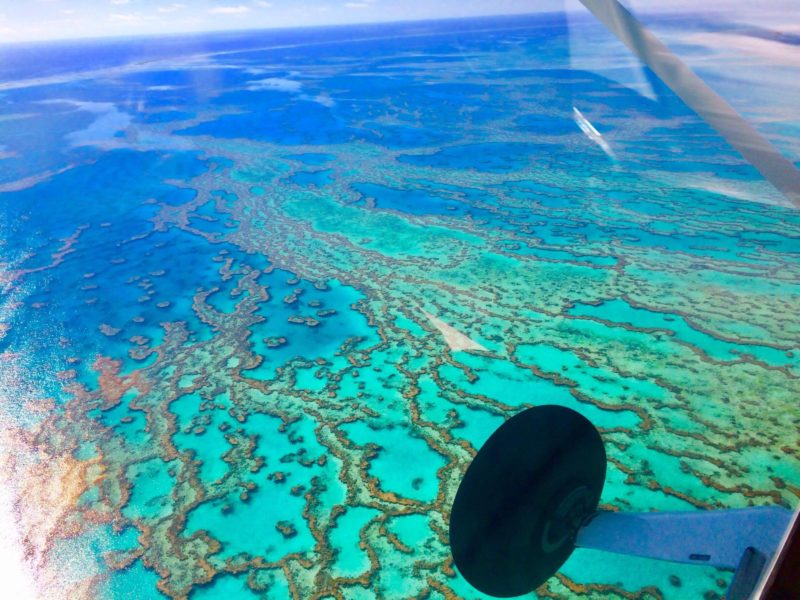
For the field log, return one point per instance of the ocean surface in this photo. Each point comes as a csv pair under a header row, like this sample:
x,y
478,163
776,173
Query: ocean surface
x,y
225,262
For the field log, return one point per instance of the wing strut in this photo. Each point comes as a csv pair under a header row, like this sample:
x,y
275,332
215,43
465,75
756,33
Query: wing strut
x,y
710,106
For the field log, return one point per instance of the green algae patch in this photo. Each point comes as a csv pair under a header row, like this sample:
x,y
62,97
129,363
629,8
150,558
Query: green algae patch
x,y
270,503
271,510
619,311
519,387
203,433
229,586
136,582
594,381
351,560
475,425
187,381
391,235
302,321
412,327
413,531
258,170
153,483
403,464
130,424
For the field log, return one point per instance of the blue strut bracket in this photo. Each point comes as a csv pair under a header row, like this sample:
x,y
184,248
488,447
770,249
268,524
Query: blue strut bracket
x,y
716,538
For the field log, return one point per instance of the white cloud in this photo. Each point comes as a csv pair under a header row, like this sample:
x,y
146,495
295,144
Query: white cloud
x,y
275,83
171,8
129,18
229,10
325,100
360,4
123,18
290,86
120,2
262,3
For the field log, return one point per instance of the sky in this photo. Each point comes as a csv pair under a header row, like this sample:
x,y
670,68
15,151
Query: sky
x,y
24,20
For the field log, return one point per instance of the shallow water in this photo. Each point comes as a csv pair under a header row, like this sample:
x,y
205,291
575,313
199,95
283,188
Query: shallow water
x,y
217,376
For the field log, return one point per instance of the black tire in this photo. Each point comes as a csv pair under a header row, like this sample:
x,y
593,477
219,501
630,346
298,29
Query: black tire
x,y
523,498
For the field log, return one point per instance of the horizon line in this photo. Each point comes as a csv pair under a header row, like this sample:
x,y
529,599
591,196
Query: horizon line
x,y
576,11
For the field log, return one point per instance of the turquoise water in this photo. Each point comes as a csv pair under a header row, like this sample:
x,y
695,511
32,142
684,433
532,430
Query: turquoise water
x,y
219,377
